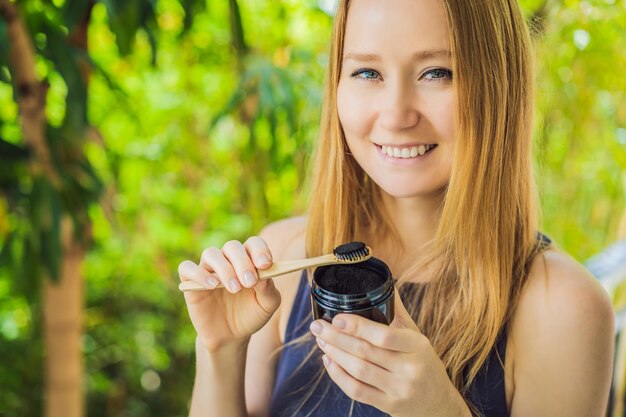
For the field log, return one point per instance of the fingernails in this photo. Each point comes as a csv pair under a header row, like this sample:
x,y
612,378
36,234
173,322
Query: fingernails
x,y
320,342
262,260
326,360
234,284
212,282
339,323
316,328
249,278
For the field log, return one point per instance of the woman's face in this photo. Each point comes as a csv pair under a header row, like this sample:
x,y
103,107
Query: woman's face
x,y
395,94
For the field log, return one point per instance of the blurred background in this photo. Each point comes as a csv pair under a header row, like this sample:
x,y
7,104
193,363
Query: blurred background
x,y
135,133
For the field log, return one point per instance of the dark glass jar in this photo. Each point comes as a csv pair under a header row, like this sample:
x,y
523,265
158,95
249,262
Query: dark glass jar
x,y
365,288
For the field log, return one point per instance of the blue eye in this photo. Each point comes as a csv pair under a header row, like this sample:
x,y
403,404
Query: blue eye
x,y
365,74
438,74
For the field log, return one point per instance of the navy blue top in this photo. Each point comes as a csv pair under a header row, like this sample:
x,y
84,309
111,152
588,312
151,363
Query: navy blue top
x,y
328,400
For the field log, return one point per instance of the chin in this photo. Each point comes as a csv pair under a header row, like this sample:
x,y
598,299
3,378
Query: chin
x,y
399,191
412,190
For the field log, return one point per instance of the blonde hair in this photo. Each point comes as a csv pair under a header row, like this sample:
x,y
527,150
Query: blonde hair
x,y
486,236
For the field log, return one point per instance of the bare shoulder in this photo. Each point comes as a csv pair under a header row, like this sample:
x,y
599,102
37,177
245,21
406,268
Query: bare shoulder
x,y
561,338
561,289
279,235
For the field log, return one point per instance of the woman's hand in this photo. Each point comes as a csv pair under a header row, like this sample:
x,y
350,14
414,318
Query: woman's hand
x,y
233,313
393,368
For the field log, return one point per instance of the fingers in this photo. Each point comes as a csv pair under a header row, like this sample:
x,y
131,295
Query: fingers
x,y
380,335
259,252
189,271
235,265
348,343
359,368
240,261
212,259
353,388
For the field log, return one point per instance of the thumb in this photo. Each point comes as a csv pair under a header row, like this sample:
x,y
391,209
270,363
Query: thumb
x,y
402,318
267,294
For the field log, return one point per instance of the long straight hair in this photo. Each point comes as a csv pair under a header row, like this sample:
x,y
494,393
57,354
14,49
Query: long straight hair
x,y
486,236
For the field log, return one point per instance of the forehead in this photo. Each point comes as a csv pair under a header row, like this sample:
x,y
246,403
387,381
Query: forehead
x,y
396,27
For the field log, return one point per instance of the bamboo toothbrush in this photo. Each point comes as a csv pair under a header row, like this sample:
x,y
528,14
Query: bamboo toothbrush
x,y
348,253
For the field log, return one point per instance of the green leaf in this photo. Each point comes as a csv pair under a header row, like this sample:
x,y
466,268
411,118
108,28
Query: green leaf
x,y
65,58
236,29
6,259
9,152
73,12
12,167
4,44
51,250
233,103
46,212
191,8
124,22
29,273
5,74
149,25
286,85
126,17
98,69
153,46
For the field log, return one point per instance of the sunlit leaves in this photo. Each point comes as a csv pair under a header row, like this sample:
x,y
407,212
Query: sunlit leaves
x,y
209,145
580,107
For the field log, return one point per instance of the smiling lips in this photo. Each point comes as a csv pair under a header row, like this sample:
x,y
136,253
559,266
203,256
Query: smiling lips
x,y
405,152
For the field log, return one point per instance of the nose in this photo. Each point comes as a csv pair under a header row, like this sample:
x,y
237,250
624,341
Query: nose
x,y
398,111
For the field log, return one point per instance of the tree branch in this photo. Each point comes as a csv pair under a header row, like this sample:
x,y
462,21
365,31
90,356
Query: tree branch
x,y
236,31
31,93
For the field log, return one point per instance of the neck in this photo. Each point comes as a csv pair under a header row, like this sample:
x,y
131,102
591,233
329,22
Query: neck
x,y
416,220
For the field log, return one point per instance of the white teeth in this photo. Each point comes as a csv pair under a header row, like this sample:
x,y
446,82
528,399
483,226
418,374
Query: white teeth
x,y
405,153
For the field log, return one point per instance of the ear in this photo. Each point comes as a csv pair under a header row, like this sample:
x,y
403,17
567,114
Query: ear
x,y
402,319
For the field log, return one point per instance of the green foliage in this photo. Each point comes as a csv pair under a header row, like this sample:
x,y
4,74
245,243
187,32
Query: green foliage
x,y
207,141
581,112
126,18
42,201
4,52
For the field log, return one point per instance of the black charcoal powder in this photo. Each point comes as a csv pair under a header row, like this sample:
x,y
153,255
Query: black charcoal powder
x,y
342,279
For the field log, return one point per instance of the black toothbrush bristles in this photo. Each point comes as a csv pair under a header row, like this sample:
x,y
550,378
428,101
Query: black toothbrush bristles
x,y
353,251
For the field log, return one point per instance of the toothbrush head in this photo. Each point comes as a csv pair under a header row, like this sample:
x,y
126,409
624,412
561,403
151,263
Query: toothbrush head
x,y
353,252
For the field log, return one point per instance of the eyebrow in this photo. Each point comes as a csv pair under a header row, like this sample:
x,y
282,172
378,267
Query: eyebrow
x,y
418,56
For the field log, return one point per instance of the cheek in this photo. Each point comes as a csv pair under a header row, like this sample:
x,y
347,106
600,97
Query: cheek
x,y
353,112
442,116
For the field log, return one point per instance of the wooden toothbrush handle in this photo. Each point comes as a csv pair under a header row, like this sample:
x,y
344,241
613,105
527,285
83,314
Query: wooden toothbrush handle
x,y
277,268
285,267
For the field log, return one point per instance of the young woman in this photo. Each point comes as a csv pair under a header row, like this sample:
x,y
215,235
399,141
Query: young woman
x,y
425,155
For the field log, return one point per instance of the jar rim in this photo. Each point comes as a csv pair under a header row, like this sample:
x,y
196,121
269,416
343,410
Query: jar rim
x,y
352,305
373,264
